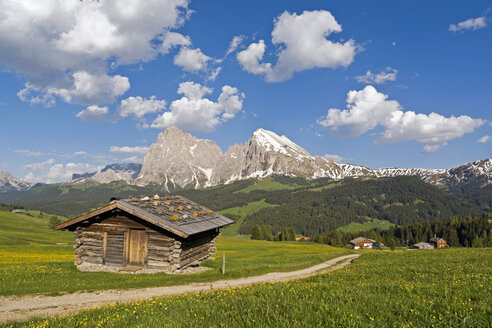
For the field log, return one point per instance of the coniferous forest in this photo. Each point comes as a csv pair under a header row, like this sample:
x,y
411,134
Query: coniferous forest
x,y
471,231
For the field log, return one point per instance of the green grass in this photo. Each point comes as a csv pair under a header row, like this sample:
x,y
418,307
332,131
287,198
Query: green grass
x,y
242,212
355,227
442,288
267,184
21,229
329,186
50,269
31,262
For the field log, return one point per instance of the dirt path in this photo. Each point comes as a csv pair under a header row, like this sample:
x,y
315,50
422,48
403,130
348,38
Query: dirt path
x,y
21,308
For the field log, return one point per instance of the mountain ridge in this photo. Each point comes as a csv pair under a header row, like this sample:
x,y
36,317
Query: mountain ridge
x,y
266,154
179,160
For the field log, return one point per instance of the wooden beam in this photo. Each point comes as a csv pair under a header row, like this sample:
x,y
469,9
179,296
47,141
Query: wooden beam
x,y
85,216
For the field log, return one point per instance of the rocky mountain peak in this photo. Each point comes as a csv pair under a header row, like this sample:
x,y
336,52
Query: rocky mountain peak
x,y
10,183
179,159
275,143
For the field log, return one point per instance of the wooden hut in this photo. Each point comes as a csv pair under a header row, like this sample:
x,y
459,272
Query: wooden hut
x,y
165,234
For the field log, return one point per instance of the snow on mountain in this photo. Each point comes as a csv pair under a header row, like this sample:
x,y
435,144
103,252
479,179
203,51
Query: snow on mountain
x,y
178,159
9,183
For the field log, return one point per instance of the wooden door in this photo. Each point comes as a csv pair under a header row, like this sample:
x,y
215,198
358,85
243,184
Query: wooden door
x,y
136,247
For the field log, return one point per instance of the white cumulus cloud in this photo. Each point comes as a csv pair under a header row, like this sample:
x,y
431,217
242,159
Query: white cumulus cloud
x,y
471,24
129,151
234,44
368,109
94,113
193,112
389,74
48,42
90,88
51,172
484,139
138,106
302,43
173,39
191,60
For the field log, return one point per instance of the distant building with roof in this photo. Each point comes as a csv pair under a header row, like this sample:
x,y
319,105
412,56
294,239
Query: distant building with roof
x,y
423,245
438,242
363,242
161,233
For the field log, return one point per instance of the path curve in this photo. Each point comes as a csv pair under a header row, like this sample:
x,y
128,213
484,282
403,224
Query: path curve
x,y
21,308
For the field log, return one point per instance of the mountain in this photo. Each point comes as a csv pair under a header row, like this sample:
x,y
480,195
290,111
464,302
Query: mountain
x,y
113,172
9,183
179,160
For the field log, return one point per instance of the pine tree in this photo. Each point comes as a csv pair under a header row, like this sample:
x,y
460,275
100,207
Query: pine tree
x,y
477,242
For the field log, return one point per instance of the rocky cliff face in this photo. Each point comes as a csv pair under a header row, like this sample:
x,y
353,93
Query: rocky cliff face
x,y
9,183
179,159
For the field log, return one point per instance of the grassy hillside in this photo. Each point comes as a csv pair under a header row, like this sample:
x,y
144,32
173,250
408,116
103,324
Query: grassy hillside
x,y
30,262
239,213
442,288
369,224
312,207
22,229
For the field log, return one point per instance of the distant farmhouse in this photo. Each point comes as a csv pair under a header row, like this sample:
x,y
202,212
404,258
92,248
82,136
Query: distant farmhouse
x,y
423,245
165,234
438,242
363,242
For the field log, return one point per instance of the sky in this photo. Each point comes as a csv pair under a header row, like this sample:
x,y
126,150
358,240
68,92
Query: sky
x,y
88,83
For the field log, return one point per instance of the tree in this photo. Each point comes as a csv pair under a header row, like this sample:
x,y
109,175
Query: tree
x,y
477,242
392,244
54,220
256,233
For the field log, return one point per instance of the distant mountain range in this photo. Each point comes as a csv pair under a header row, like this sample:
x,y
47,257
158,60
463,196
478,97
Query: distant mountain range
x,y
180,160
9,183
112,172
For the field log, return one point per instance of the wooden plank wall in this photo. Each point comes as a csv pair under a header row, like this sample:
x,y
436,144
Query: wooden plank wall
x,y
197,249
103,242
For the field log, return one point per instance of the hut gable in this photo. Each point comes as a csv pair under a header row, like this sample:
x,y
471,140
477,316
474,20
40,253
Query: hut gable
x,y
160,233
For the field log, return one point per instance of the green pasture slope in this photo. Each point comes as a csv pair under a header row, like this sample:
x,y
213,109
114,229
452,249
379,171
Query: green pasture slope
x,y
31,262
439,288
240,212
355,227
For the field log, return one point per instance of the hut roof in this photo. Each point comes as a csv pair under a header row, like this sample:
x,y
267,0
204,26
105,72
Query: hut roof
x,y
172,213
359,239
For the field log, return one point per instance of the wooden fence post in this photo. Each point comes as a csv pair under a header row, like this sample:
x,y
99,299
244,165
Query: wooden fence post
x,y
223,263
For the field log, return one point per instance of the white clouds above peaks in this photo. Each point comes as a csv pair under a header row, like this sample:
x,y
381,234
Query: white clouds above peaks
x,y
138,106
302,40
368,109
471,24
94,113
389,74
484,139
195,113
54,43
51,172
129,151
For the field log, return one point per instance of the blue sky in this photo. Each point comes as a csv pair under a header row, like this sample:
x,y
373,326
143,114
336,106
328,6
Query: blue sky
x,y
85,84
